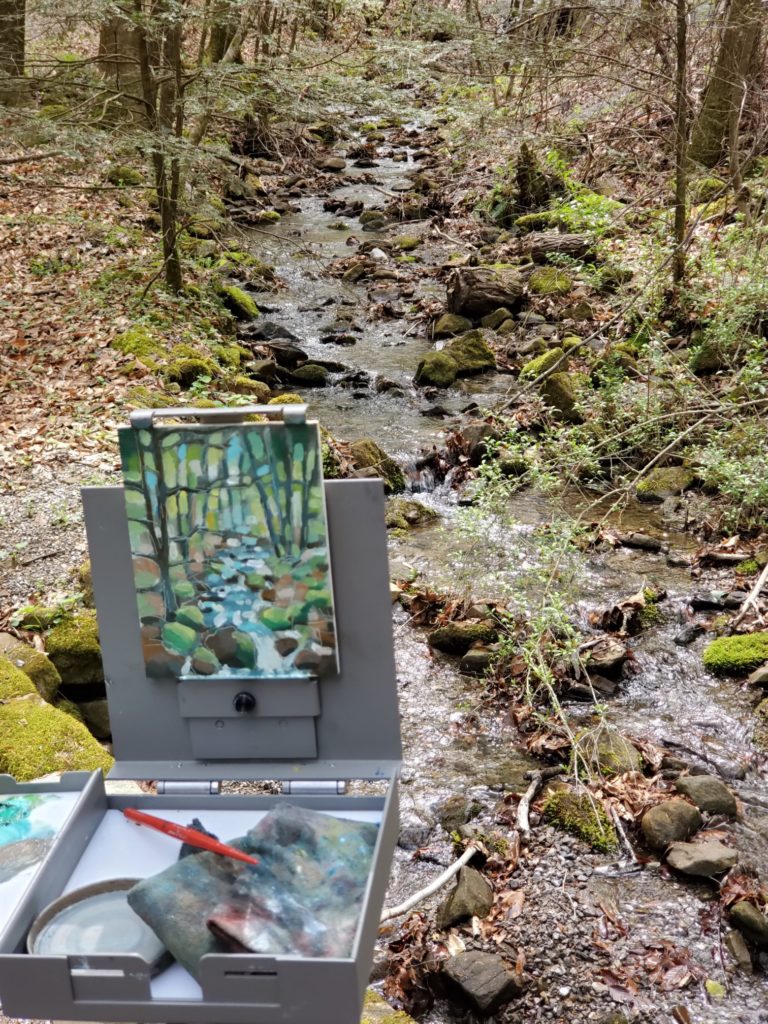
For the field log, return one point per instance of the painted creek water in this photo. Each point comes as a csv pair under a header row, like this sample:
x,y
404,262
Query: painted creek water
x,y
451,744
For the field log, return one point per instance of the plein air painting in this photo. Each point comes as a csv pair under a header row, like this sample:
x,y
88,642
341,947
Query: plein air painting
x,y
230,550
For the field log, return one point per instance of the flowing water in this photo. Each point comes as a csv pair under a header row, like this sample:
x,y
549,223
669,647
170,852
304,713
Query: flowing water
x,y
451,744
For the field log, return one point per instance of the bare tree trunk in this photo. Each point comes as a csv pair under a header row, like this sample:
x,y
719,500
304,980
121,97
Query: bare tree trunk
x,y
12,37
681,142
730,79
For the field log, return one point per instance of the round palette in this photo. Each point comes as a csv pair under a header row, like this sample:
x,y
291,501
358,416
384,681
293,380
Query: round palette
x,y
96,919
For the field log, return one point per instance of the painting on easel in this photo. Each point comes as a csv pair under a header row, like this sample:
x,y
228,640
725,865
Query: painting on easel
x,y
230,550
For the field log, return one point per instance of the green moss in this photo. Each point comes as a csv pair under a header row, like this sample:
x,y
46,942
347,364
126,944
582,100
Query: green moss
x,y
407,243
376,1010
139,341
608,752
458,637
542,363
450,324
142,397
122,175
471,353
36,739
287,398
85,583
39,669
736,655
403,513
257,389
704,190
560,392
236,262
665,482
570,342
748,567
73,647
70,708
13,682
582,815
38,617
185,371
537,221
239,302
436,369
549,281
310,375
230,356
367,455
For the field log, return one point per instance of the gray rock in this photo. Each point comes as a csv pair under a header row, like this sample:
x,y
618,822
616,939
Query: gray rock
x,y
702,859
760,676
708,793
669,822
484,979
688,634
472,897
452,812
332,163
607,656
737,947
96,715
751,921
475,662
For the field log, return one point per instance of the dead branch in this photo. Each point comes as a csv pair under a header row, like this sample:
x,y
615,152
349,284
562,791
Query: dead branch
x,y
428,890
752,596
523,824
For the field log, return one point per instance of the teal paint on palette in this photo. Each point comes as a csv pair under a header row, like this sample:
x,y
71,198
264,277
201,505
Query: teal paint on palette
x,y
230,550
23,841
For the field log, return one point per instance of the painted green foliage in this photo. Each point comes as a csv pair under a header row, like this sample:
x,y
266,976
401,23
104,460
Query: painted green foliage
x,y
230,550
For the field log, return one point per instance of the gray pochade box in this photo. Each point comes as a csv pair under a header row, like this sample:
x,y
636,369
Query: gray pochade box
x,y
313,735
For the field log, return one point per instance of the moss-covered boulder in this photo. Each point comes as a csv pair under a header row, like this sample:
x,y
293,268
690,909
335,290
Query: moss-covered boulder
x,y
578,812
366,454
376,1010
140,342
549,281
186,370
736,655
37,739
406,243
239,302
542,363
40,669
73,647
707,358
37,617
437,370
256,389
458,637
206,222
13,682
310,375
494,320
671,821
84,579
404,513
705,190
286,398
450,324
665,482
120,174
471,353
607,752
561,391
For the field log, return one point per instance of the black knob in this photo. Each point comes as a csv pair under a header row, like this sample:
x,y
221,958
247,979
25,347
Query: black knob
x,y
244,702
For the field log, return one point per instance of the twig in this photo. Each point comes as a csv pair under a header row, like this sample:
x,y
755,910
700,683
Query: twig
x,y
438,883
523,824
39,558
751,597
622,834
28,159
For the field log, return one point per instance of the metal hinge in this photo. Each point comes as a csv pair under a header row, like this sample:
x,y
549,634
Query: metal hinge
x,y
310,787
175,788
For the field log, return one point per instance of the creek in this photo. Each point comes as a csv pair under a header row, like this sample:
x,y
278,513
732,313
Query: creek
x,y
452,744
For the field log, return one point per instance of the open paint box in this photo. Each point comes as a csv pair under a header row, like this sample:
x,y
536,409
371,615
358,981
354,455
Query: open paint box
x,y
245,624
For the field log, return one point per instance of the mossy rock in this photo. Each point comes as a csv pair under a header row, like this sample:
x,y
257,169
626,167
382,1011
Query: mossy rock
x,y
310,375
239,302
549,281
537,221
265,217
494,320
243,264
140,342
665,482
451,324
406,243
437,370
376,1010
579,813
13,682
179,638
471,353
85,583
705,190
367,455
206,222
708,358
608,752
32,663
404,513
458,637
571,342
230,356
38,617
120,174
73,647
560,392
37,739
70,708
287,398
186,371
369,216
542,363
142,397
257,389
736,655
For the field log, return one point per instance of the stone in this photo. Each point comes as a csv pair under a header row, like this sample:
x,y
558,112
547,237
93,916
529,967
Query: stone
x,y
608,752
607,656
484,979
368,455
477,291
665,482
39,668
476,661
542,363
708,793
575,810
669,822
494,320
759,677
751,921
458,637
475,437
708,358
437,370
332,163
450,324
376,1010
240,304
736,655
688,634
96,716
737,947
471,353
263,369
549,281
405,513
73,647
560,392
703,860
472,897
310,375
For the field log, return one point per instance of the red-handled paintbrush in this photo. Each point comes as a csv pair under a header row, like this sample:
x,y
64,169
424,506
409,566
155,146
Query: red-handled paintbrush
x,y
187,835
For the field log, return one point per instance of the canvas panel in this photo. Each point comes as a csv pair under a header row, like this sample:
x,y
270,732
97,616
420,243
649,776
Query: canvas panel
x,y
230,553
